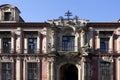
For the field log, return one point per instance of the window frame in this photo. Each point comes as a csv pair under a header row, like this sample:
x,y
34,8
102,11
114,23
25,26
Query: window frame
x,y
105,72
34,43
68,44
11,71
37,66
7,16
6,44
104,44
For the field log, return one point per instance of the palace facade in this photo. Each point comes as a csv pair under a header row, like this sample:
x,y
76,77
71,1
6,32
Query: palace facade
x,y
60,49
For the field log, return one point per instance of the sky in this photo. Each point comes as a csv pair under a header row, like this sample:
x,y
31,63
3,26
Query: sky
x,y
43,10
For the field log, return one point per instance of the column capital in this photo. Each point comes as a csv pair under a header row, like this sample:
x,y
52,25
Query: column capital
x,y
50,59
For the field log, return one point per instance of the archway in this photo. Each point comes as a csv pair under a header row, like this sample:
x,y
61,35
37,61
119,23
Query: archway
x,y
68,72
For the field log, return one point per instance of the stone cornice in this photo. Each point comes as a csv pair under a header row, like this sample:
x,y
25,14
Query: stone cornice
x,y
30,24
103,24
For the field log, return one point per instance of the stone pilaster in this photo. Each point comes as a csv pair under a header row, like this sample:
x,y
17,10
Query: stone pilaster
x,y
54,40
18,68
0,45
79,72
19,40
13,42
25,45
82,38
51,68
115,60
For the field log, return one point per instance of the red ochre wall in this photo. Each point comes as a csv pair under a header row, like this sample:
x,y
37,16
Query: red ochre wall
x,y
44,70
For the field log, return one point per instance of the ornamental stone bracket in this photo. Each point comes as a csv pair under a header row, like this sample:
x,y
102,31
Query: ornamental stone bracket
x,y
51,59
107,59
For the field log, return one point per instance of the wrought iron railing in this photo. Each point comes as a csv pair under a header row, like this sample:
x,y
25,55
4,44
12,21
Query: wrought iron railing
x,y
31,51
6,51
105,50
67,48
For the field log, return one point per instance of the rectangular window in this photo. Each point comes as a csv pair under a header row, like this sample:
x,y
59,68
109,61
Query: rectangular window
x,y
32,71
32,45
68,43
6,45
7,16
104,44
106,71
6,72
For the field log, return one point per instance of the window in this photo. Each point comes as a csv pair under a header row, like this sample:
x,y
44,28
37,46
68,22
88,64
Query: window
x,y
7,16
104,44
32,71
6,45
68,43
106,71
32,45
6,72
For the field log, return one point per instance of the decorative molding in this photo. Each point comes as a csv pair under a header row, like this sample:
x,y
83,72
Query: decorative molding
x,y
6,59
51,59
107,59
32,59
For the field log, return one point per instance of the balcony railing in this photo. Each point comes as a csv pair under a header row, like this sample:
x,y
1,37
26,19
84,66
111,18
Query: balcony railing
x,y
31,51
6,51
67,48
106,50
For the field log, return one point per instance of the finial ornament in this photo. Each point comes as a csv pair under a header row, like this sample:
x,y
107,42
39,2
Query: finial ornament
x,y
68,14
76,18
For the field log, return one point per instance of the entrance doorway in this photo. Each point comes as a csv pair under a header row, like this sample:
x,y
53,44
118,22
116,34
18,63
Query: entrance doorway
x,y
68,72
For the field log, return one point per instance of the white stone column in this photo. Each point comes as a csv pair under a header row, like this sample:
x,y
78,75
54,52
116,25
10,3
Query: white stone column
x,y
52,75
83,72
76,42
90,36
0,45
38,44
18,70
79,72
18,40
44,40
118,40
0,16
82,39
51,69
24,69
12,42
118,69
25,45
